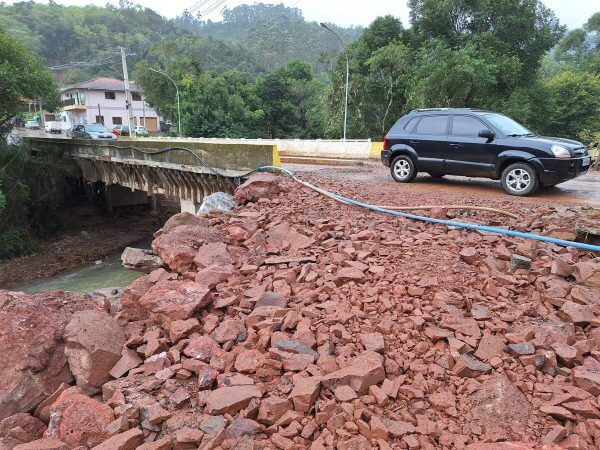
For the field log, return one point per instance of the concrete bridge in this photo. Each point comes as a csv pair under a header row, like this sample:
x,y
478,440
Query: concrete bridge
x,y
133,172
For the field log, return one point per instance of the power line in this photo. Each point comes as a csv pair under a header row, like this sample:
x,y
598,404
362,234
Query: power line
x,y
205,6
89,63
197,5
210,10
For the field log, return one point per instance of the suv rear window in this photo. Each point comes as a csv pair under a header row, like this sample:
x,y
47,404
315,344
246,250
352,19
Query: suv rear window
x,y
411,124
466,126
435,125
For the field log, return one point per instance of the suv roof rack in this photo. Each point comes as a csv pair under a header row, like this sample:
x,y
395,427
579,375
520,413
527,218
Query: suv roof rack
x,y
445,109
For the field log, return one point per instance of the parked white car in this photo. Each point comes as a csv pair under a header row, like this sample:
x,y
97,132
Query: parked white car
x,y
141,130
32,125
53,127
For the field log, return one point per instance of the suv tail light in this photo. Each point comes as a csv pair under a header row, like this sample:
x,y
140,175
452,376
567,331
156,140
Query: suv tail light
x,y
385,143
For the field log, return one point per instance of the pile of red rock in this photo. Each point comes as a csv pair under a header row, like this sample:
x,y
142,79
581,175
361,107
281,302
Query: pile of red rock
x,y
296,322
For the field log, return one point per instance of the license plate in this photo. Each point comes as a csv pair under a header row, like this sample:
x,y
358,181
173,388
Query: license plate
x,y
586,161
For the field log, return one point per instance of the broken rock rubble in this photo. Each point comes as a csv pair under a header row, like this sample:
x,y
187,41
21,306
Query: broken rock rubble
x,y
281,325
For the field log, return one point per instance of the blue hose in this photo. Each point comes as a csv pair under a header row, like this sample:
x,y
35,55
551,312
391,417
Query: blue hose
x,y
450,223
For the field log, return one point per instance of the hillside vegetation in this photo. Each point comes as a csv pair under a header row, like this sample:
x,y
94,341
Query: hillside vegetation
x,y
264,71
252,38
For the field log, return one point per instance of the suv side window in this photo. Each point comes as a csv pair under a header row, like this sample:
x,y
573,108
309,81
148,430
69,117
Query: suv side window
x,y
466,126
435,125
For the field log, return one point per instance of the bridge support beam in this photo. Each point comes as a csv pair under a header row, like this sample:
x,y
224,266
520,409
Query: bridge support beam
x,y
132,184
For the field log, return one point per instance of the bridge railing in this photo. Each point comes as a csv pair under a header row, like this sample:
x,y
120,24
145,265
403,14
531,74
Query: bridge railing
x,y
229,158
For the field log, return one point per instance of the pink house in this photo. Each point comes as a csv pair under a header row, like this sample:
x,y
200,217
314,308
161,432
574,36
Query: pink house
x,y
102,100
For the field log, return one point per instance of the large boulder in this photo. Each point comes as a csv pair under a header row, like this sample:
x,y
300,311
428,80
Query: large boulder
x,y
78,420
31,339
183,218
179,246
261,185
174,300
94,342
141,260
502,410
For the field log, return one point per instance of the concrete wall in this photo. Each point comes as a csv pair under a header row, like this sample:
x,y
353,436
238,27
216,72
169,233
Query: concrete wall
x,y
317,148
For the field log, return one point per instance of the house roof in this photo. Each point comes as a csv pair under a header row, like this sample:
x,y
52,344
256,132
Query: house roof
x,y
103,84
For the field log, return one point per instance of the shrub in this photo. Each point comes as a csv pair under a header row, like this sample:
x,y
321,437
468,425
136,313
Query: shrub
x,y
15,242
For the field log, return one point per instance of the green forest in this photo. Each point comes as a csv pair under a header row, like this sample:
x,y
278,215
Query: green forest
x,y
264,71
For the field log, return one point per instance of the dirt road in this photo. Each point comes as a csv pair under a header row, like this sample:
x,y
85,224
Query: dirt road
x,y
372,181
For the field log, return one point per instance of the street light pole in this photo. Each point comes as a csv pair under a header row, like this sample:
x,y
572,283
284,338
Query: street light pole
x,y
177,91
324,25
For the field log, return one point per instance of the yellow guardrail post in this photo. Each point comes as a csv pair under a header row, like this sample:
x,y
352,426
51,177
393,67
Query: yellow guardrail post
x,y
276,158
376,148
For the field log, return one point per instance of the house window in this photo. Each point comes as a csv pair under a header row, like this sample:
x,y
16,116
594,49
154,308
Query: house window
x,y
136,97
117,121
109,95
100,119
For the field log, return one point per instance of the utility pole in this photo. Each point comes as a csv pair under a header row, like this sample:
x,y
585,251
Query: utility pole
x,y
324,25
128,94
42,118
177,93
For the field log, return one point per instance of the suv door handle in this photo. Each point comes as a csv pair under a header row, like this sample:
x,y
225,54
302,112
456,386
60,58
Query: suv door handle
x,y
454,145
413,142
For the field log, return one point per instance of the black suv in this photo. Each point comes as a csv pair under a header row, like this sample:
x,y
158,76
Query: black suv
x,y
478,143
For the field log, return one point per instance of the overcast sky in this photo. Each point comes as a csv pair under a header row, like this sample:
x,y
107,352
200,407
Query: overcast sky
x,y
572,13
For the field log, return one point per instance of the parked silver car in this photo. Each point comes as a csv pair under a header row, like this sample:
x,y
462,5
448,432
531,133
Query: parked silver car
x,y
92,131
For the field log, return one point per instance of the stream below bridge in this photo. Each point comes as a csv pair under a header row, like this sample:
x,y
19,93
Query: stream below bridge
x,y
105,273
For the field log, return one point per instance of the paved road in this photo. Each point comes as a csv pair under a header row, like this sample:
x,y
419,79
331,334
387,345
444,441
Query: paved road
x,y
582,191
22,132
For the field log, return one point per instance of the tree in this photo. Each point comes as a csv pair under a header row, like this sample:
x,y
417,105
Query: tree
x,y
572,105
219,105
377,81
593,24
388,78
289,100
22,77
573,47
447,78
525,29
461,53
579,50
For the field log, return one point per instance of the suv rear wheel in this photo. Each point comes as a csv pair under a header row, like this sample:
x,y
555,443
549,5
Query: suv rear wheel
x,y
520,179
403,169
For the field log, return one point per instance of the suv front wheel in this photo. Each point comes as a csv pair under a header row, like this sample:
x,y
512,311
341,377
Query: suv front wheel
x,y
520,179
403,169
